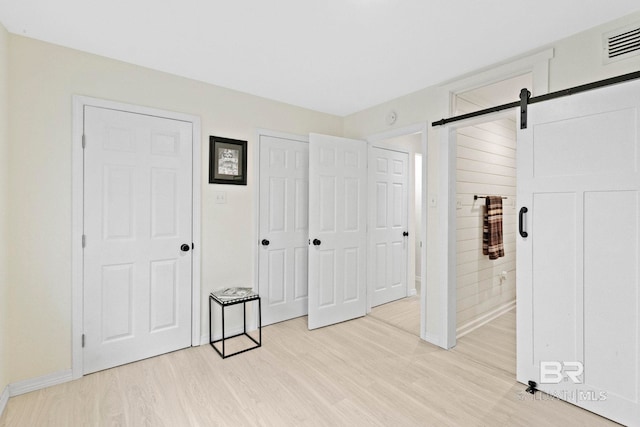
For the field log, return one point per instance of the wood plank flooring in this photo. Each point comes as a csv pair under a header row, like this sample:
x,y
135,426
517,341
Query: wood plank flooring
x,y
364,372
403,314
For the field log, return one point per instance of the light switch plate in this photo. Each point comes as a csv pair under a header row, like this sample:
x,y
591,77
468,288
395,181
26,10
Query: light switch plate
x,y
221,197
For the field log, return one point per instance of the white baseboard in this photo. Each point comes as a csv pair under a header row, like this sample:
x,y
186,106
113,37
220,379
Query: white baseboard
x,y
33,384
4,398
483,320
413,292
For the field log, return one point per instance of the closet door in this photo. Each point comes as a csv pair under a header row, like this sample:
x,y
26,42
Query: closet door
x,y
137,261
284,230
578,333
388,229
337,229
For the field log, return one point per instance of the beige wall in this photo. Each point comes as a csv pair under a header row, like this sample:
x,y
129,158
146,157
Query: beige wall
x,y
4,204
43,79
577,60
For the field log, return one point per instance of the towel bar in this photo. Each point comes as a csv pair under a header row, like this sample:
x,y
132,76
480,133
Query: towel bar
x,y
476,197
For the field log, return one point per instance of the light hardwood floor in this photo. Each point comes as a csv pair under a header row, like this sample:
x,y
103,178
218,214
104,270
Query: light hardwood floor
x,y
403,314
362,372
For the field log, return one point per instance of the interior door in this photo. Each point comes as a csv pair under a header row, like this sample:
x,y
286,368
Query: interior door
x,y
137,223
337,229
578,330
388,230
284,228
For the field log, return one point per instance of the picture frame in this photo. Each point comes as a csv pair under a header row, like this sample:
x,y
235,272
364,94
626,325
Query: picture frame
x,y
227,161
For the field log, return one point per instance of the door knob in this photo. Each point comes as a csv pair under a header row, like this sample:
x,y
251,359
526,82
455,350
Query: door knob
x,y
405,233
316,242
185,247
265,242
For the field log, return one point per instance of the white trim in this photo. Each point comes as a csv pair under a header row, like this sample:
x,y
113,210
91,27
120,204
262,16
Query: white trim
x,y
196,229
413,292
77,226
38,383
376,140
393,133
538,66
447,239
4,399
481,321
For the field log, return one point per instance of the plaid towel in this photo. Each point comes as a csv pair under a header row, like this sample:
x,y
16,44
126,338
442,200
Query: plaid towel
x,y
492,228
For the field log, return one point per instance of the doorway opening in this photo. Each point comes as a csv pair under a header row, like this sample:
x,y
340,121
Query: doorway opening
x,y
485,165
407,311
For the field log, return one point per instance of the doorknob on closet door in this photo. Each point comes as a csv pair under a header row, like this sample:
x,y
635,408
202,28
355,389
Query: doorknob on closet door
x,y
405,233
317,242
265,242
185,248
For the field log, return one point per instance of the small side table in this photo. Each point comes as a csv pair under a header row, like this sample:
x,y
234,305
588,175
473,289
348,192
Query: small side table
x,y
226,298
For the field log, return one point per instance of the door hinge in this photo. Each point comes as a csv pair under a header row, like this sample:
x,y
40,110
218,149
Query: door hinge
x,y
82,340
84,240
84,141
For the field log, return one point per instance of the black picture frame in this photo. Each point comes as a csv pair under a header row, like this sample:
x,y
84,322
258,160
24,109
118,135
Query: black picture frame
x,y
227,161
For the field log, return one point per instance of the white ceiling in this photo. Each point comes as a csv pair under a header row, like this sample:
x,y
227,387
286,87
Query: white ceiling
x,y
334,56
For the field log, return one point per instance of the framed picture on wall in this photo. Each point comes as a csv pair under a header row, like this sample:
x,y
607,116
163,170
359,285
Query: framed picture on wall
x,y
227,161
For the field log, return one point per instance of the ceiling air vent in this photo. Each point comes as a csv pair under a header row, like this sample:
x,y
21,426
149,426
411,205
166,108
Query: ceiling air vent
x,y
622,43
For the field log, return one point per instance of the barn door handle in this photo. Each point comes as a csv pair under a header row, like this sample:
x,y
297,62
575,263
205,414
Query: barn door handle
x,y
317,242
523,210
265,242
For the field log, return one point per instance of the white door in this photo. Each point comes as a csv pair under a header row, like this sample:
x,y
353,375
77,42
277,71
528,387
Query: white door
x,y
578,333
137,215
337,229
388,231
284,228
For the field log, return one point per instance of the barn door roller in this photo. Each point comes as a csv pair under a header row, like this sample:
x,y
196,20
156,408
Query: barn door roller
x,y
525,95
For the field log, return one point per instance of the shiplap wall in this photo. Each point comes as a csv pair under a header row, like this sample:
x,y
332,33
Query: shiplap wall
x,y
486,165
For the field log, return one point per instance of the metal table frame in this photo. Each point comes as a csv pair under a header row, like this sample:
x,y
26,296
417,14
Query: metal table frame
x,y
227,303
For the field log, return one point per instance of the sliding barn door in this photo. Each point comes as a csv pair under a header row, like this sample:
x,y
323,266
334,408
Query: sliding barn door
x,y
578,328
337,229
